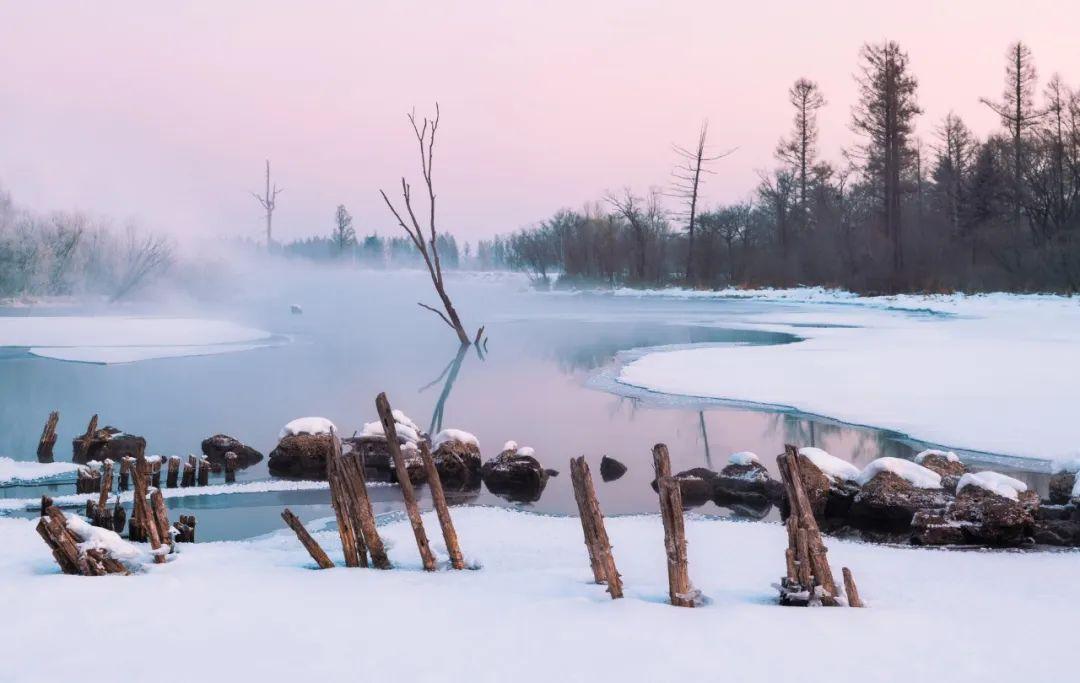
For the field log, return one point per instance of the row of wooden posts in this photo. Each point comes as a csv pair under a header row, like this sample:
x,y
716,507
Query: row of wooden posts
x,y
195,472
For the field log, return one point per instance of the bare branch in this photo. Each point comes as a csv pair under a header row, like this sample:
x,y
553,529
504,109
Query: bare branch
x,y
436,312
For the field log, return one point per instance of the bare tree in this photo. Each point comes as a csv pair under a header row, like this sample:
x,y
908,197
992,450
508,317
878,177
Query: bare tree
x,y
800,150
426,244
643,216
268,201
344,235
144,257
687,186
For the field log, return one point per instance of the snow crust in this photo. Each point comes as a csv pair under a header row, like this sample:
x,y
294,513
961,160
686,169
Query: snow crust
x,y
944,369
917,475
744,458
995,482
22,471
454,435
948,455
307,425
830,465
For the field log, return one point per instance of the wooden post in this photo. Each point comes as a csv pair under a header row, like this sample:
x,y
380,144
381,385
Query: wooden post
x,y
125,473
204,471
48,438
352,544
46,503
189,473
438,498
816,547
186,529
173,474
230,467
592,524
354,479
386,416
84,443
852,591
309,543
119,517
680,590
141,509
155,473
161,516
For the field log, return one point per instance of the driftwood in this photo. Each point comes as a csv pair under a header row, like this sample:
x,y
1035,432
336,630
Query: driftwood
x,y
353,471
309,543
172,476
438,498
680,591
352,539
185,529
386,416
52,527
48,438
592,524
851,590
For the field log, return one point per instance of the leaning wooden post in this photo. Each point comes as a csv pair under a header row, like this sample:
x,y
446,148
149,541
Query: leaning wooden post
x,y
48,438
438,497
680,590
386,416
309,543
592,524
161,517
173,474
102,517
354,478
801,505
87,438
147,525
355,555
853,599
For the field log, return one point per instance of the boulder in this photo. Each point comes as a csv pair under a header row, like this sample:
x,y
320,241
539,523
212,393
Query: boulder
x,y
611,469
748,482
458,463
301,456
888,502
218,445
988,518
697,486
379,465
108,443
1061,487
942,463
1059,532
515,476
932,527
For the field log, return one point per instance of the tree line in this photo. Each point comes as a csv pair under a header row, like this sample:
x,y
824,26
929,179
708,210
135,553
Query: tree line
x,y
898,212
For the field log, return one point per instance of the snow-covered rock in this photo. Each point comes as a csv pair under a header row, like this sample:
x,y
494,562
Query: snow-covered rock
x,y
514,475
995,482
830,465
945,463
307,425
743,458
456,454
215,448
915,474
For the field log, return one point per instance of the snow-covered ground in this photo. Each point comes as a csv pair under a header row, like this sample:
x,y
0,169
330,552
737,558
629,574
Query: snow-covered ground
x,y
21,471
256,610
125,339
995,373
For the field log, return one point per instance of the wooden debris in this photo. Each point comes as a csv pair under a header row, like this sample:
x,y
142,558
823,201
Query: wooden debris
x,y
172,475
83,445
48,438
161,517
386,416
189,473
125,473
142,517
309,543
204,471
592,524
353,470
680,591
52,527
230,467
352,539
851,590
438,497
185,529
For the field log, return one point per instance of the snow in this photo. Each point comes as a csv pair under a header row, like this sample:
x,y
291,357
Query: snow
x,y
527,451
948,455
530,604
1071,465
995,373
510,446
830,465
743,458
95,537
917,475
403,430
125,339
995,482
307,425
1076,488
458,435
20,471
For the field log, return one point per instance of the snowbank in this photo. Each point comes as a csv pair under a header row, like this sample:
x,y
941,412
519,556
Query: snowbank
x,y
22,471
995,482
995,373
743,458
307,425
830,465
532,601
917,475
454,435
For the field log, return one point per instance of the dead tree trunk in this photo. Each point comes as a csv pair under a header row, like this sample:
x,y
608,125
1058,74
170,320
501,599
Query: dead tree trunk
x,y
309,543
386,416
268,202
680,590
48,438
592,524
438,498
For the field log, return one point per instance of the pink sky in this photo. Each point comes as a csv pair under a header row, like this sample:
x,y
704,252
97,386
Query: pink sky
x,y
163,113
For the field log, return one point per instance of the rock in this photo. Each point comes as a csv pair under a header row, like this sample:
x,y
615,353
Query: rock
x,y
518,478
1060,532
1061,486
816,484
379,465
108,443
458,464
942,464
552,473
931,527
218,445
1054,512
888,502
301,456
611,469
697,486
990,519
749,482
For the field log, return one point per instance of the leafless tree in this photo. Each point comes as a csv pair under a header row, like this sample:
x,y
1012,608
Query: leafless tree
x,y
268,201
144,257
426,244
643,216
800,150
688,177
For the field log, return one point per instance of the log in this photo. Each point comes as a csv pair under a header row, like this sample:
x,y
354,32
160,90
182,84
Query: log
x,y
382,405
230,467
438,498
592,524
53,530
84,443
309,543
852,591
352,545
48,438
354,479
172,476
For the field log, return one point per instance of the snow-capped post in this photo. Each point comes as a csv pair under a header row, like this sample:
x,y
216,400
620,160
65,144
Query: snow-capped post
x,y
851,590
83,445
189,472
386,416
357,485
173,474
230,467
204,471
439,499
101,512
141,509
352,541
155,472
48,438
680,590
309,543
592,525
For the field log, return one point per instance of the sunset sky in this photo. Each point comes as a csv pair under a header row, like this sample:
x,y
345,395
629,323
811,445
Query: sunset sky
x,y
163,113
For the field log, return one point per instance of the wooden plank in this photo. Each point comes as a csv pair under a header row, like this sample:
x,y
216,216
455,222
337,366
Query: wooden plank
x,y
309,543
438,497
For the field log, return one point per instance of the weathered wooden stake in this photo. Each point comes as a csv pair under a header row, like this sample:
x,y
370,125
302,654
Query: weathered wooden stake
x,y
354,478
592,524
386,416
172,476
230,467
141,509
119,517
155,472
438,498
309,543
125,473
189,473
46,502
204,471
161,517
680,590
48,438
84,443
852,591
352,541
